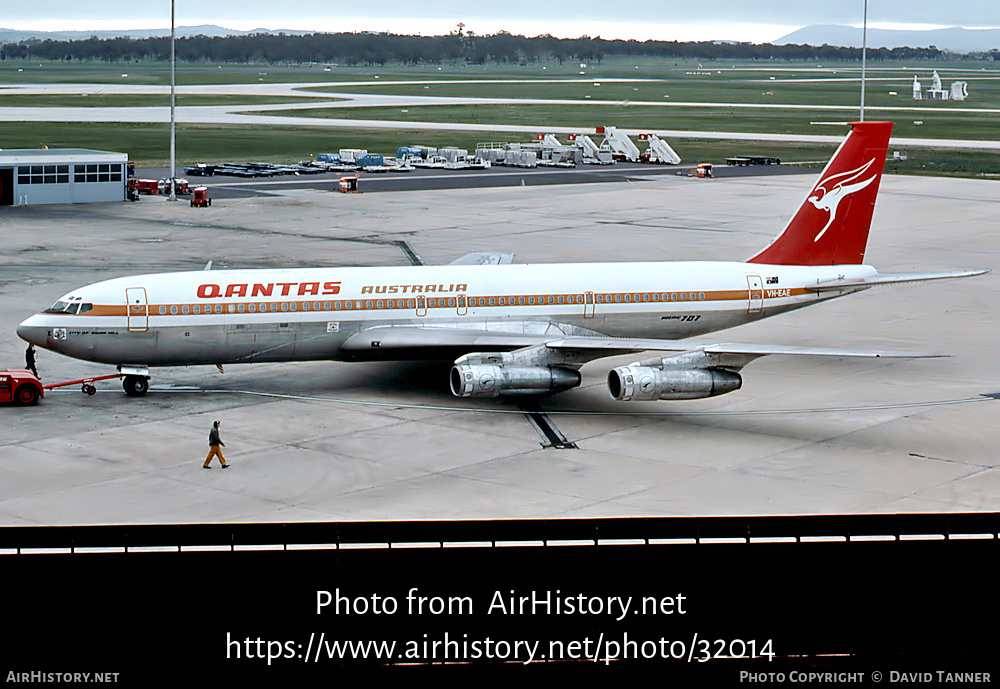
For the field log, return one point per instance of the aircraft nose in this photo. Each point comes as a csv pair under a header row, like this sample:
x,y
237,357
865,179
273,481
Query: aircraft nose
x,y
31,331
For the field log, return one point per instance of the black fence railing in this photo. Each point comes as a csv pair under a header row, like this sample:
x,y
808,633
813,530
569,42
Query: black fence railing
x,y
541,532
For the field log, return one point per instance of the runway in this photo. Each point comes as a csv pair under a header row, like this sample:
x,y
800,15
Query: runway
x,y
323,441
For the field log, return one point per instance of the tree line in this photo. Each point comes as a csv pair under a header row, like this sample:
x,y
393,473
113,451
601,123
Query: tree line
x,y
383,48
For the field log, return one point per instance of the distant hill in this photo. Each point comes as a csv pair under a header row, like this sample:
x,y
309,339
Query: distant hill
x,y
954,40
16,35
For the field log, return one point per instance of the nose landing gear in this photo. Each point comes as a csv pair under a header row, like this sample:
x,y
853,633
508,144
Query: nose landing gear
x,y
135,386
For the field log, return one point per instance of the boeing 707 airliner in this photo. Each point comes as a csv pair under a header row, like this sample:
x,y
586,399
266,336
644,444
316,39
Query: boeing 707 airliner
x,y
510,329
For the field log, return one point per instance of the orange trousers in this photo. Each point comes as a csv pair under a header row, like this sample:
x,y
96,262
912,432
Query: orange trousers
x,y
216,451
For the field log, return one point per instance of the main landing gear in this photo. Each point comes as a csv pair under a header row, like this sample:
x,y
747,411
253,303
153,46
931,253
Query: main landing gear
x,y
135,386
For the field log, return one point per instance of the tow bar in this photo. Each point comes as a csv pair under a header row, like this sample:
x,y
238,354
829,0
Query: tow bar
x,y
86,384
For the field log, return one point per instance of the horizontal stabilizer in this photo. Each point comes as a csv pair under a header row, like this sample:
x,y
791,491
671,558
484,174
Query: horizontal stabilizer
x,y
900,279
484,258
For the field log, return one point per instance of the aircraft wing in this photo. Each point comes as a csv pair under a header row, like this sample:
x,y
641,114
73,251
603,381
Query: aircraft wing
x,y
447,340
624,345
391,337
899,279
484,258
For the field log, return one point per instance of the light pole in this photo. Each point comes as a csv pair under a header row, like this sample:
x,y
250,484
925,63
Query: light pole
x,y
173,133
864,51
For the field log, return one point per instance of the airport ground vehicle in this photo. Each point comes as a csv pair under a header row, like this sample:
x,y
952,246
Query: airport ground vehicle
x,y
200,198
20,386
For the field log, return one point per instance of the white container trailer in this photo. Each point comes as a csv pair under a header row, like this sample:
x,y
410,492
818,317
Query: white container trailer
x,y
349,155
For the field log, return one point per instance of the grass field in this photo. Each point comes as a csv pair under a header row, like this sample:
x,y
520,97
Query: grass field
x,y
936,124
662,81
148,145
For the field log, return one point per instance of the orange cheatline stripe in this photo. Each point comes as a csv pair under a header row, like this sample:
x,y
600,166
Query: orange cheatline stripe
x,y
606,298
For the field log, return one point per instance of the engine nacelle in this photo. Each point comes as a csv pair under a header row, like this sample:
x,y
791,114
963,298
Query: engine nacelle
x,y
634,383
493,380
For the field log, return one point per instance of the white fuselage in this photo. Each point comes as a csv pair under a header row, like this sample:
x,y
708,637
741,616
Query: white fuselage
x,y
232,316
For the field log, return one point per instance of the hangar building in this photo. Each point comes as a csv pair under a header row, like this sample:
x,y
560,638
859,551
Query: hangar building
x,y
61,175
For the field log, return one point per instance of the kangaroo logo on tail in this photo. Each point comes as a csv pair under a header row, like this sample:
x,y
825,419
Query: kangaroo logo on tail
x,y
831,226
831,191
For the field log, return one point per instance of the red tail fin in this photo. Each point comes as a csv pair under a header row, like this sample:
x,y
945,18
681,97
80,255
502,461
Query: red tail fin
x,y
832,225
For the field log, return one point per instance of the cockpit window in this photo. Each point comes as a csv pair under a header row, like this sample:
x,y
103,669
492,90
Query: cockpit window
x,y
72,307
58,307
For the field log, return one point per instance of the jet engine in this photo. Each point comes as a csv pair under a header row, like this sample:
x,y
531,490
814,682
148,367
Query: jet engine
x,y
486,375
642,382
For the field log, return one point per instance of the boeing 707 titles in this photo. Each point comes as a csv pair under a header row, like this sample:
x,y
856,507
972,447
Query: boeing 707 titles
x,y
510,329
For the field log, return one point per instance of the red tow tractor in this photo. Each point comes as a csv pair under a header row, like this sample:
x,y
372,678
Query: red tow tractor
x,y
200,198
21,386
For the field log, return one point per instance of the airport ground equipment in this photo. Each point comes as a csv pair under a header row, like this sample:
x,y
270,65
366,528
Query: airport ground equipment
x,y
20,386
743,161
86,384
618,145
592,153
348,184
181,186
659,151
147,186
702,171
200,198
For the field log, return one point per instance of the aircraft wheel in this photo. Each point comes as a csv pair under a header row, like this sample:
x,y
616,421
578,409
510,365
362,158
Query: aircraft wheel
x,y
89,389
135,386
27,395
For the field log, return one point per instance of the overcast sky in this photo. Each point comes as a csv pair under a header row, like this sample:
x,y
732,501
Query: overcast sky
x,y
760,20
